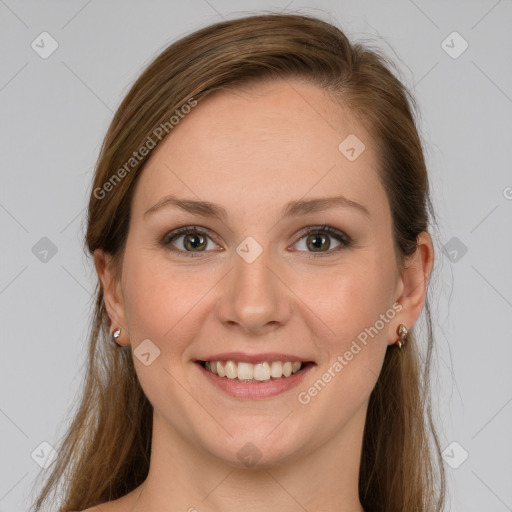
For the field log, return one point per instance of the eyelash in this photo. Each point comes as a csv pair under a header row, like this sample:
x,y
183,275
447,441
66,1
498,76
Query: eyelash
x,y
343,238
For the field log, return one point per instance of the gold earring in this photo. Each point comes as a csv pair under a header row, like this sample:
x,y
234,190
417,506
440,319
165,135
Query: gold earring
x,y
402,333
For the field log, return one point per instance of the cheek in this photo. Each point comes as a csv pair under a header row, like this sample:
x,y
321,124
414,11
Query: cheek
x,y
352,296
354,304
162,304
157,297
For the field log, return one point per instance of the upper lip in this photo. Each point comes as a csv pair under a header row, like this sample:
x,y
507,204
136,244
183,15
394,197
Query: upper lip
x,y
254,358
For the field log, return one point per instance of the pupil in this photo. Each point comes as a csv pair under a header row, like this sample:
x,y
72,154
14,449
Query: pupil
x,y
194,241
324,241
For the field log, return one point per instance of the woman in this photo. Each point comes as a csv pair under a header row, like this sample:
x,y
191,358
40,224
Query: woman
x,y
261,270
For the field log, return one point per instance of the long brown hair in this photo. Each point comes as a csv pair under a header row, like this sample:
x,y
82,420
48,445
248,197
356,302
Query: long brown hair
x,y
105,452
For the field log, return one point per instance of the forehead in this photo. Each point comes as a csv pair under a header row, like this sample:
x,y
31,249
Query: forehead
x,y
263,141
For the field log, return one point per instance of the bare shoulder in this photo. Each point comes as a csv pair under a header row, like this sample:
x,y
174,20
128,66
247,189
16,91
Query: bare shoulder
x,y
106,507
124,504
109,506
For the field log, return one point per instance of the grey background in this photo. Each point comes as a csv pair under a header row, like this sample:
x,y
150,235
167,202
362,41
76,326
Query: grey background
x,y
54,114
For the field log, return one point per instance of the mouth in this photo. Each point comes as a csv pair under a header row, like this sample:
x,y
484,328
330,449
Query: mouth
x,y
253,380
263,371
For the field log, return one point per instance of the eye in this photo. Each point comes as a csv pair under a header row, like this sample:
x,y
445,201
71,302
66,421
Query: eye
x,y
318,240
188,240
315,241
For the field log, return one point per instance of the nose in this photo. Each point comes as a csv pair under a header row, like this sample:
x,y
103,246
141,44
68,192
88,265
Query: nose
x,y
254,297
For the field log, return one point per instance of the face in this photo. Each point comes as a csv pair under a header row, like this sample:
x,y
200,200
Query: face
x,y
268,271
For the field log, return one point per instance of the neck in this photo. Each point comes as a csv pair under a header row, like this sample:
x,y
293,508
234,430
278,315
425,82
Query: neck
x,y
186,477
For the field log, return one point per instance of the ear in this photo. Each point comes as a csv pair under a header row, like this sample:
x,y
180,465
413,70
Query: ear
x,y
413,283
112,294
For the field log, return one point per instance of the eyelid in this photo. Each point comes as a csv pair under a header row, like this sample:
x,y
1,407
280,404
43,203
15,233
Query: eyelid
x,y
184,230
336,233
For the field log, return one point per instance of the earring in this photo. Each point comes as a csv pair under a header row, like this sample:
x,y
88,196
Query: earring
x,y
402,332
115,336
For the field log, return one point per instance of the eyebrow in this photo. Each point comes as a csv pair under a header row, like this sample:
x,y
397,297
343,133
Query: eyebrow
x,y
292,209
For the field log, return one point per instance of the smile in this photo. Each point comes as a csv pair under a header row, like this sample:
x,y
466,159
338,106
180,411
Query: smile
x,y
248,372
256,380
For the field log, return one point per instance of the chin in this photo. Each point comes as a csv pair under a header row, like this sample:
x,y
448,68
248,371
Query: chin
x,y
257,446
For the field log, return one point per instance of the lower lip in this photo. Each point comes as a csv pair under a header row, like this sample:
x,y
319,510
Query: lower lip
x,y
255,390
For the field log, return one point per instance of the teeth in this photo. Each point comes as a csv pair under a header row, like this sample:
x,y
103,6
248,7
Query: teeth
x,y
231,370
276,369
259,372
245,371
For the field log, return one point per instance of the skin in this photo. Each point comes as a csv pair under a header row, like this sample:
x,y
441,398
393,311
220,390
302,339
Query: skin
x,y
252,150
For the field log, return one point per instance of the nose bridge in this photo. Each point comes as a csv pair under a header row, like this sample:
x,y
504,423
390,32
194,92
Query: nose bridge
x,y
254,297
